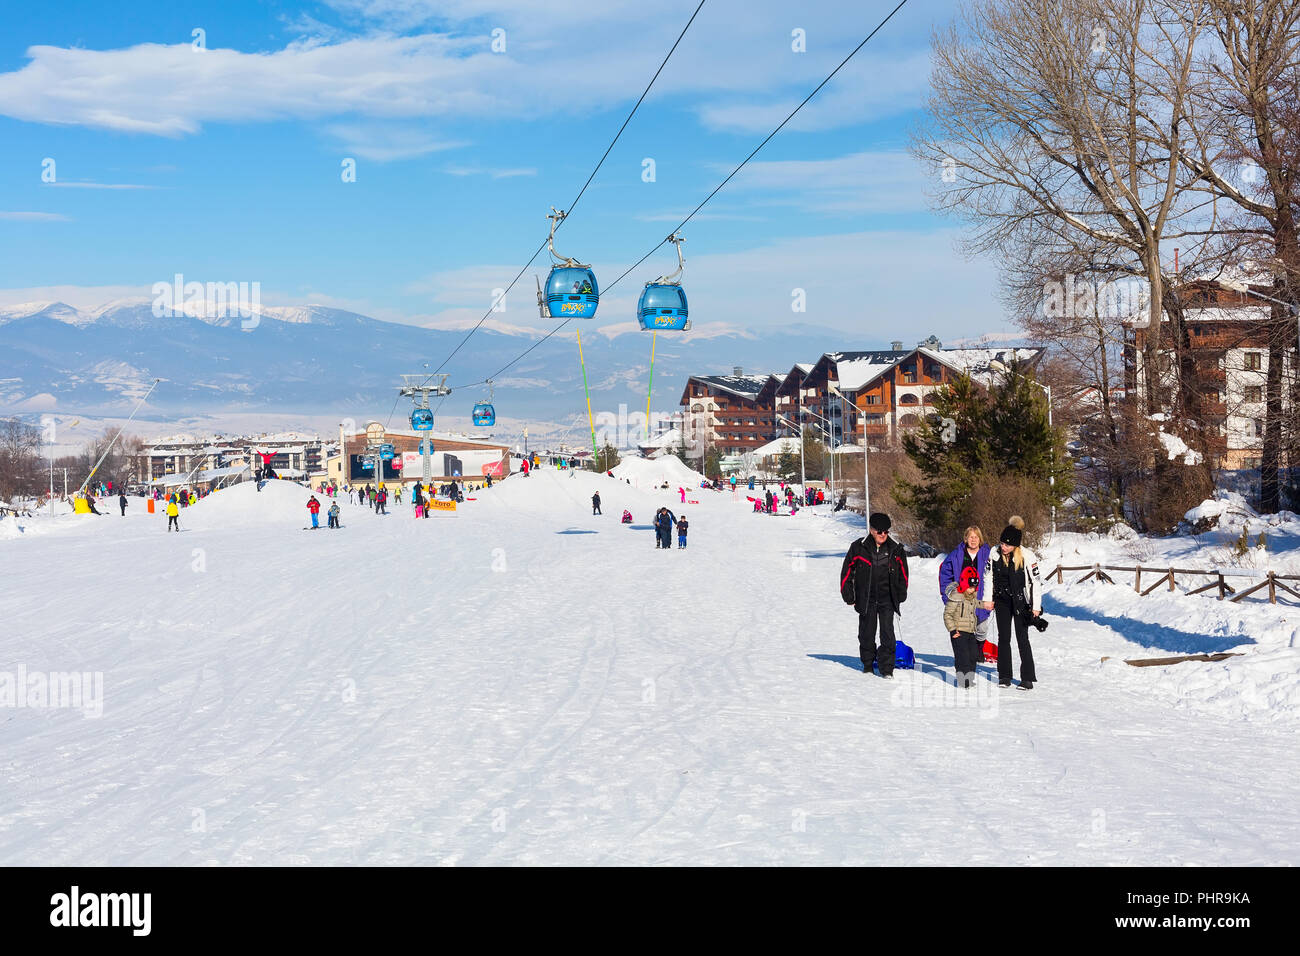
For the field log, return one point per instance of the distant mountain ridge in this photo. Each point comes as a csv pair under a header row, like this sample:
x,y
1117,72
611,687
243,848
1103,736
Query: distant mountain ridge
x,y
312,358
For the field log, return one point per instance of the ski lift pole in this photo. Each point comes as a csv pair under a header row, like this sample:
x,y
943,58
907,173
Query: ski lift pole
x,y
654,336
590,421
85,483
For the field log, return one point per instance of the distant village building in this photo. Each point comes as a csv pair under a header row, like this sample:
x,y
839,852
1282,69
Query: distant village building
x,y
1227,344
453,457
868,397
294,455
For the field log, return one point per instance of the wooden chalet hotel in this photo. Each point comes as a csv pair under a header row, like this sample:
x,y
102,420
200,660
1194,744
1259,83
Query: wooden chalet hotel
x,y
849,396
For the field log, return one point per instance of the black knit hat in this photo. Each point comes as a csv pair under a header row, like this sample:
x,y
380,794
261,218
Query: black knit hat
x,y
1011,535
880,522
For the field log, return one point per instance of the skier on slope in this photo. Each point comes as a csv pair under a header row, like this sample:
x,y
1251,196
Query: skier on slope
x,y
121,500
173,515
682,525
314,507
595,503
873,579
334,515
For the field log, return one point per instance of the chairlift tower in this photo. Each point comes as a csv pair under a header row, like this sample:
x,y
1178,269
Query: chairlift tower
x,y
418,388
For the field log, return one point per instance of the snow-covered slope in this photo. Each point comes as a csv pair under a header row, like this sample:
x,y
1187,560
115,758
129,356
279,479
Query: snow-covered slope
x,y
522,682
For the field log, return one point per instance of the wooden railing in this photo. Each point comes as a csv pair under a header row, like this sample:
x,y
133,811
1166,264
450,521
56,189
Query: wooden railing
x,y
1099,572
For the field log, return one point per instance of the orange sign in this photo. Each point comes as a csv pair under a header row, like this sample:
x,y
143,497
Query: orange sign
x,y
435,505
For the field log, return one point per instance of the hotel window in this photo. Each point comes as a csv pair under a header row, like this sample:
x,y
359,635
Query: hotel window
x,y
1254,361
1254,394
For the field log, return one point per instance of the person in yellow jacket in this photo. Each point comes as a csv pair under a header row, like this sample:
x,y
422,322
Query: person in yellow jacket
x,y
173,515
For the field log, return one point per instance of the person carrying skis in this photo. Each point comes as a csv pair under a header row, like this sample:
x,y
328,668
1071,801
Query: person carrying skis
x,y
682,525
971,555
173,515
595,503
334,515
121,500
873,579
314,507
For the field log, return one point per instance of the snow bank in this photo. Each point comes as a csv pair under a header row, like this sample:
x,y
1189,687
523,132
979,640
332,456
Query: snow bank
x,y
1262,684
242,505
646,473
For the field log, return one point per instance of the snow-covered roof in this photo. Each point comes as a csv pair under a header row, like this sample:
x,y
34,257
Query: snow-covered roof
x,y
776,447
1240,313
668,439
976,362
857,369
746,386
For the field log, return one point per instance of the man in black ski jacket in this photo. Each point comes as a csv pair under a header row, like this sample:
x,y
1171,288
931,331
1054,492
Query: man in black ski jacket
x,y
595,503
873,579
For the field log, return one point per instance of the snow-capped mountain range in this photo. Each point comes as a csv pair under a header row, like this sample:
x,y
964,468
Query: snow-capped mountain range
x,y
56,358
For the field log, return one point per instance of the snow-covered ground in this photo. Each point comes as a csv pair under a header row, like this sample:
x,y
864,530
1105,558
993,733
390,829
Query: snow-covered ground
x,y
522,682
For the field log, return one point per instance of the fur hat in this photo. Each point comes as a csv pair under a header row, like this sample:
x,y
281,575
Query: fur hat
x,y
880,522
1013,533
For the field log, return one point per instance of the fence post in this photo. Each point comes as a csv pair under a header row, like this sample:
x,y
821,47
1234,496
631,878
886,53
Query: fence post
x,y
1137,579
1171,579
1272,589
1221,592
1060,574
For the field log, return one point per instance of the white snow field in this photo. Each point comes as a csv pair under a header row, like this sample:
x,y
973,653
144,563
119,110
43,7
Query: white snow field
x,y
523,683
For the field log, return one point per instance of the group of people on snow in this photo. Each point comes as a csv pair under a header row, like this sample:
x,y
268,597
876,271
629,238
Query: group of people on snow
x,y
663,528
976,582
313,506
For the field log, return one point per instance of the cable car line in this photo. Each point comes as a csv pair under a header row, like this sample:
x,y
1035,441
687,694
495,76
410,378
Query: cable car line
x,y
604,156
706,199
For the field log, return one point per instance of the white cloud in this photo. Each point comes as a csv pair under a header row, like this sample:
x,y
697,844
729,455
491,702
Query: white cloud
x,y
871,86
34,217
91,185
725,61
385,142
476,170
873,181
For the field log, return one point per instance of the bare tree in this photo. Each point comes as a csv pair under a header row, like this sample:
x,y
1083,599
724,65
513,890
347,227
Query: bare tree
x,y
1042,124
1246,129
20,461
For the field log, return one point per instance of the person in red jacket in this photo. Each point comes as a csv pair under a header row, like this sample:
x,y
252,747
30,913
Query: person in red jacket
x,y
314,507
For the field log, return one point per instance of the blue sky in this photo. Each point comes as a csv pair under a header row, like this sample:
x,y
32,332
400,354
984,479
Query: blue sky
x,y
224,163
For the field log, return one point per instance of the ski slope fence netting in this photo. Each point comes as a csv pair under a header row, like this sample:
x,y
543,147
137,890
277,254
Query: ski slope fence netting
x,y
1264,579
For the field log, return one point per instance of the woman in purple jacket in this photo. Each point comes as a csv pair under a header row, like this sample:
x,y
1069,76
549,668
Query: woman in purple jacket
x,y
974,553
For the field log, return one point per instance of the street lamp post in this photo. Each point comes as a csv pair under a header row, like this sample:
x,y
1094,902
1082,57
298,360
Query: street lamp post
x,y
866,488
1051,479
831,428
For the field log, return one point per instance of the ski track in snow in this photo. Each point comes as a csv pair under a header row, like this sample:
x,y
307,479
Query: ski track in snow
x,y
382,695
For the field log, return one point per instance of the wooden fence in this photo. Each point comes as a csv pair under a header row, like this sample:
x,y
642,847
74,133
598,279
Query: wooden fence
x,y
1271,580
